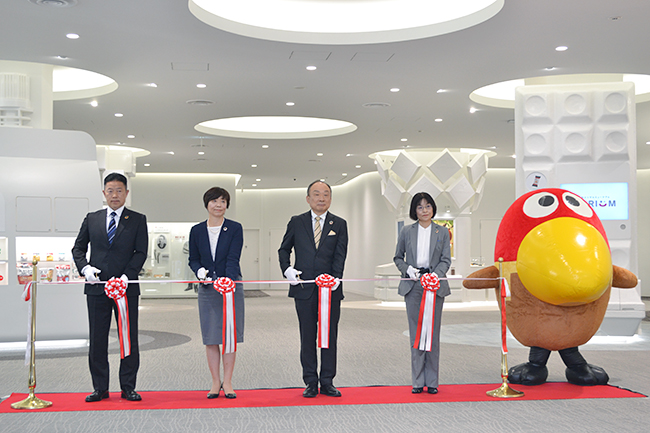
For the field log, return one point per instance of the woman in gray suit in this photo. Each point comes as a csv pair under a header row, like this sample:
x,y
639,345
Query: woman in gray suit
x,y
423,247
215,250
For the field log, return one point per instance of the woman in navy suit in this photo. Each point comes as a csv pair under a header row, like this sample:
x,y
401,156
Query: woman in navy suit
x,y
423,247
215,249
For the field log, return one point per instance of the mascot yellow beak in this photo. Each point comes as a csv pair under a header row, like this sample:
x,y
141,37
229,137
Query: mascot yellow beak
x,y
565,261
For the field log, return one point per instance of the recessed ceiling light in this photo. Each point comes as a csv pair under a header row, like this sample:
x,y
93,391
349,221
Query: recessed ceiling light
x,y
254,184
200,102
254,165
344,174
62,57
119,115
513,156
265,146
311,68
357,166
94,103
152,85
258,180
404,139
441,91
130,136
319,154
147,165
647,142
550,68
201,153
170,153
72,36
472,110
120,143
394,90
561,48
291,104
438,120
55,3
201,86
348,154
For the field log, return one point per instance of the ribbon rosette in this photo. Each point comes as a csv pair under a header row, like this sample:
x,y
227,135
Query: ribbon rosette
x,y
325,283
226,287
424,336
115,289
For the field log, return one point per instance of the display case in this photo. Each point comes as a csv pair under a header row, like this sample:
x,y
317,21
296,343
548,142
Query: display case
x,y
167,259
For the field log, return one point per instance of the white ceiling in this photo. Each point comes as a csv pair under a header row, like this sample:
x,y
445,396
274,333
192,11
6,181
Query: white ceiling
x,y
136,42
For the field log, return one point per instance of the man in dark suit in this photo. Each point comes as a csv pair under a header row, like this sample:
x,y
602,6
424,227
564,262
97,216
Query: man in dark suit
x,y
319,240
118,248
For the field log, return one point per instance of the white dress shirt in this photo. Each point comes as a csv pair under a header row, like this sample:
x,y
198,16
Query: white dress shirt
x,y
424,241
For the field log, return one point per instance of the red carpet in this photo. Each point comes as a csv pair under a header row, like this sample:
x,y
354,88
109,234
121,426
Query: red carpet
x,y
64,402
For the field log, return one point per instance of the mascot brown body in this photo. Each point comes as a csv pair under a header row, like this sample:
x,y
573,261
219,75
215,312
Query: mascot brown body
x,y
558,265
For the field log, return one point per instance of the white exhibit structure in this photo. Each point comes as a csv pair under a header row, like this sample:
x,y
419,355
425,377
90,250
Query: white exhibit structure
x,y
583,138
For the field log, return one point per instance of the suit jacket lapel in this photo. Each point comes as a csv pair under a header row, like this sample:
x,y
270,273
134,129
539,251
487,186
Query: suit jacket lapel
x,y
414,240
309,228
124,220
434,240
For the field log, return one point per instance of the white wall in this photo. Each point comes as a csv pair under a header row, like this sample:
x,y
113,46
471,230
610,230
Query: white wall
x,y
372,226
643,228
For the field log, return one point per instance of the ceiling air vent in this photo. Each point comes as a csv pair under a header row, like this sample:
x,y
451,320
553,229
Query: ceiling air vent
x,y
200,102
376,105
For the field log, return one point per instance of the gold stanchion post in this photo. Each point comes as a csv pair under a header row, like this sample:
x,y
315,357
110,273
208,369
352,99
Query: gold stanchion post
x,y
32,402
504,391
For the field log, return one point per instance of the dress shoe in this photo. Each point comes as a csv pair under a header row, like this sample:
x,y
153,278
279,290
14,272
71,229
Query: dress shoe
x,y
417,390
131,395
97,395
228,394
431,390
330,390
310,391
212,395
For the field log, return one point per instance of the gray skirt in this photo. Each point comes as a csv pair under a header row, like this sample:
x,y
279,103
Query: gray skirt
x,y
211,314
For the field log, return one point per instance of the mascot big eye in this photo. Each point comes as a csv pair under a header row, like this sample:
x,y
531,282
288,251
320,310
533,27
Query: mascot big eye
x,y
559,267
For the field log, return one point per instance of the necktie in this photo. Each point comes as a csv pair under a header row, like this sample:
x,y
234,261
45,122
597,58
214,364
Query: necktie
x,y
317,231
111,228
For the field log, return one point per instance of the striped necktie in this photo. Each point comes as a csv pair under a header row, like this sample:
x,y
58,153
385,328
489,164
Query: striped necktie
x,y
112,226
317,232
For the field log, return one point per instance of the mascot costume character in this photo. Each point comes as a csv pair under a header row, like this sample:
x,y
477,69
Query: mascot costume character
x,y
558,264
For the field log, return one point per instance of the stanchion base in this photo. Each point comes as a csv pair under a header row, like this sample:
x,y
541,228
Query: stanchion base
x,y
31,402
504,391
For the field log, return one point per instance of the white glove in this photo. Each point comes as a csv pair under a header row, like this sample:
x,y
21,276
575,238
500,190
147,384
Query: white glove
x,y
90,273
125,279
201,274
292,275
338,283
413,273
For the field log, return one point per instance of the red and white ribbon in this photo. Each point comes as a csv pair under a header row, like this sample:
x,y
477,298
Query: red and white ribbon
x,y
226,287
115,289
424,336
325,283
27,296
505,293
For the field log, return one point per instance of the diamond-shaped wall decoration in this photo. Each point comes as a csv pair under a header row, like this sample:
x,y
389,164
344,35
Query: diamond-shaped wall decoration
x,y
382,168
478,195
393,192
476,168
461,191
405,167
445,166
425,184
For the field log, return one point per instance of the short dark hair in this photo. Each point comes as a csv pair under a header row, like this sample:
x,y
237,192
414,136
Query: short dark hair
x,y
214,193
317,181
415,202
115,176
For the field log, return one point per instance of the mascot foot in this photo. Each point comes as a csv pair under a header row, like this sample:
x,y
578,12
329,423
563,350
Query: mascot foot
x,y
586,375
528,374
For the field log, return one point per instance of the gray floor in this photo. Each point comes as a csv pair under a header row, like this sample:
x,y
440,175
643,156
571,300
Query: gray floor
x,y
373,350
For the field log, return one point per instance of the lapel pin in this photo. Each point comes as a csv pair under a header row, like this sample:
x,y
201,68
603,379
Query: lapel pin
x,y
225,228
126,217
331,222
